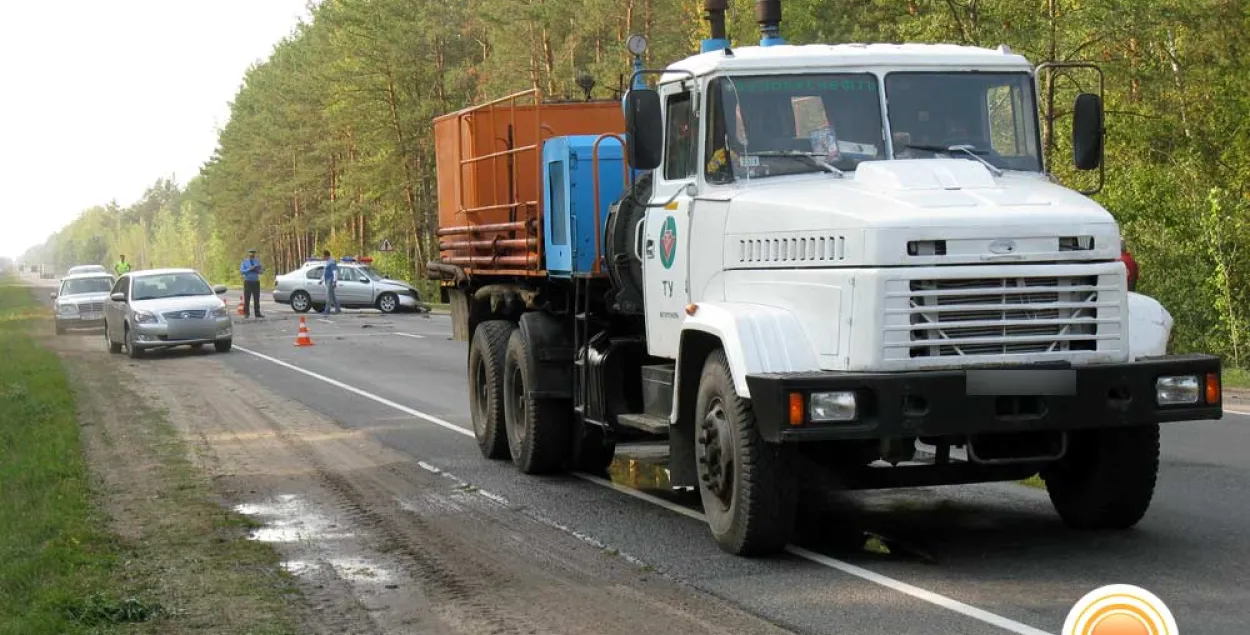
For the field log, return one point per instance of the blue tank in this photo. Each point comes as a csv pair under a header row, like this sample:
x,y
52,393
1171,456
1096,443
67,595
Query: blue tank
x,y
569,232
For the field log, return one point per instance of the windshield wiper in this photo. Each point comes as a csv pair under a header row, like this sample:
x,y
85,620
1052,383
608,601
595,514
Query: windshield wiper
x,y
970,150
809,159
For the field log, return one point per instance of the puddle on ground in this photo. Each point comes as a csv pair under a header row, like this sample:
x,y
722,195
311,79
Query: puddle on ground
x,y
289,519
314,543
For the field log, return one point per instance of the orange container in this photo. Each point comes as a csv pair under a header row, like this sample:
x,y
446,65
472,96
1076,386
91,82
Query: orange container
x,y
489,160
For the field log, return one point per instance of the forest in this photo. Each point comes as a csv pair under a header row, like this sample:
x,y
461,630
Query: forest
x,y
329,143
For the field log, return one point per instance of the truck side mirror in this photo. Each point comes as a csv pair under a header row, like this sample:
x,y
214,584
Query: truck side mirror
x,y
1087,131
644,128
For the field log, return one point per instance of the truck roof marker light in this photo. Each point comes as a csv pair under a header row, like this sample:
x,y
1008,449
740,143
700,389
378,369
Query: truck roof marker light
x,y
692,308
714,13
1213,388
796,408
768,15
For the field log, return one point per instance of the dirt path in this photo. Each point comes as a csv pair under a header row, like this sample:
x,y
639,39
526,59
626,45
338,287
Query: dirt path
x,y
381,543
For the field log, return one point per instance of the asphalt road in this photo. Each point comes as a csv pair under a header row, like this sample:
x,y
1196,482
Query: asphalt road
x,y
967,560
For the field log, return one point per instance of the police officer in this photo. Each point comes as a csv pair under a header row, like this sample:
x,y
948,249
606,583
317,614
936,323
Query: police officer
x,y
122,267
251,270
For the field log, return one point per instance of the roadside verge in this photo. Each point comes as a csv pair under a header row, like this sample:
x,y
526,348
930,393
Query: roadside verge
x,y
104,524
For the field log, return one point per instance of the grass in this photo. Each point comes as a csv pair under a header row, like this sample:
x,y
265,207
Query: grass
x,y
105,524
57,563
1235,378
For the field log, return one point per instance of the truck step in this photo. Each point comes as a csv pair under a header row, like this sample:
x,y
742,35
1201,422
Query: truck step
x,y
646,423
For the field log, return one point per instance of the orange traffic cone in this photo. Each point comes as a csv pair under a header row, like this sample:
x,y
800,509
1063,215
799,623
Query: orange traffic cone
x,y
242,310
302,339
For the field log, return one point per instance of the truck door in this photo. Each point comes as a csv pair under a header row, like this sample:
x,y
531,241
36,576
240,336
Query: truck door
x,y
665,249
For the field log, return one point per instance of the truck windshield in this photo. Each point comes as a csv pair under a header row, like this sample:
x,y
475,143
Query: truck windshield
x,y
772,125
991,115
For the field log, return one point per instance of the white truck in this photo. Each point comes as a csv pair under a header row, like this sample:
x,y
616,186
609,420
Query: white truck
x,y
831,255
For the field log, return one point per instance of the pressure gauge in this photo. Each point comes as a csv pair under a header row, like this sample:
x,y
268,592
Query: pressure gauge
x,y
636,44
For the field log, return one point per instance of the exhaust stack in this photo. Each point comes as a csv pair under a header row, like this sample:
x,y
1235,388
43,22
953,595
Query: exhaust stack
x,y
714,13
768,15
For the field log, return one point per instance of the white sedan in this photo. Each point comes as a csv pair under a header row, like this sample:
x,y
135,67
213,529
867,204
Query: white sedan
x,y
163,308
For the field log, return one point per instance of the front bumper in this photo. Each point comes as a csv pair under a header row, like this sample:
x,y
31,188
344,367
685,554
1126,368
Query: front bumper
x,y
161,334
975,401
409,302
77,321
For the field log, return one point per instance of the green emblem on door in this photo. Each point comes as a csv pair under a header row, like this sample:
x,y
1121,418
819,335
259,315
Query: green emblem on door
x,y
668,242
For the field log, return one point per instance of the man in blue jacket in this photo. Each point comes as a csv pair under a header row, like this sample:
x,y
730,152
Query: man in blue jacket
x,y
251,270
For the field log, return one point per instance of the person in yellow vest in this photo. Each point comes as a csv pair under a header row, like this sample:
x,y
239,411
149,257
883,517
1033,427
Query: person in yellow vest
x,y
122,267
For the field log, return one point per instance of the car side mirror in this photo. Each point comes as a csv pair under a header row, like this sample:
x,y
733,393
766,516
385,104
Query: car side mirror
x,y
644,129
220,289
1087,132
118,297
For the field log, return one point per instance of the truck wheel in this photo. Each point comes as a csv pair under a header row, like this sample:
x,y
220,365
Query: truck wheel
x,y
748,487
1107,478
486,353
538,429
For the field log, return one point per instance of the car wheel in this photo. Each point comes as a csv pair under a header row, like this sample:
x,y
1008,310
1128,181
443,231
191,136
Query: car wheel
x,y
114,347
223,346
388,302
131,350
301,302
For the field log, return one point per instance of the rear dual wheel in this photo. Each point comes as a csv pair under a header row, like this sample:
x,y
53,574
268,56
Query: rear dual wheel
x,y
486,358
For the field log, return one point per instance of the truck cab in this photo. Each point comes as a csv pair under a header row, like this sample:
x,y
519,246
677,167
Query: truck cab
x,y
842,258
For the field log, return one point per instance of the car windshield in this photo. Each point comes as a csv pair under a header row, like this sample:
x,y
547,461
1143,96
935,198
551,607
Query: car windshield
x,y
169,285
86,285
990,116
774,125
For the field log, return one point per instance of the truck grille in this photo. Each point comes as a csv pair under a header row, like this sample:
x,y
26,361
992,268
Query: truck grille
x,y
1004,316
196,314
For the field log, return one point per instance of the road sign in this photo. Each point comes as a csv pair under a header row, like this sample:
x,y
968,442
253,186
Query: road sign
x,y
386,246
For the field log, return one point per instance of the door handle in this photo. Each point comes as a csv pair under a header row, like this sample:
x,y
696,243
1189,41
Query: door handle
x,y
650,248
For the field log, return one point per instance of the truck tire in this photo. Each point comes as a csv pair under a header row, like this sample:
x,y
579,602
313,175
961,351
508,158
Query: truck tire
x,y
486,353
748,487
538,429
1107,477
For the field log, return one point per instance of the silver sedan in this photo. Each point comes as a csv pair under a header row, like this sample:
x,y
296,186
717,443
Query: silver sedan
x,y
360,286
163,308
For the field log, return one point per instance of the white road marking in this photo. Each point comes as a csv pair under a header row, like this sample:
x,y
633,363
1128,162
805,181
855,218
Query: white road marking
x,y
325,320
833,563
367,395
412,335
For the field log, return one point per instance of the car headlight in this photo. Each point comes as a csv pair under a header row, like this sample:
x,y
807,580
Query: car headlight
x,y
145,317
220,312
67,309
1171,391
831,406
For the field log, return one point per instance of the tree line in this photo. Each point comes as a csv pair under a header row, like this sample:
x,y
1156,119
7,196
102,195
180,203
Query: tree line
x,y
329,143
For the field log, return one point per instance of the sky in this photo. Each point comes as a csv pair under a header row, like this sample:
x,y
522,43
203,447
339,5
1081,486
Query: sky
x,y
100,98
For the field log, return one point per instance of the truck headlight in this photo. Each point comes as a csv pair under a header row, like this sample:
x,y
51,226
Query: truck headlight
x,y
1184,389
831,406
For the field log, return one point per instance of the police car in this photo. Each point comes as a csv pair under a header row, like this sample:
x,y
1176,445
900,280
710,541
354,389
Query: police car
x,y
360,286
